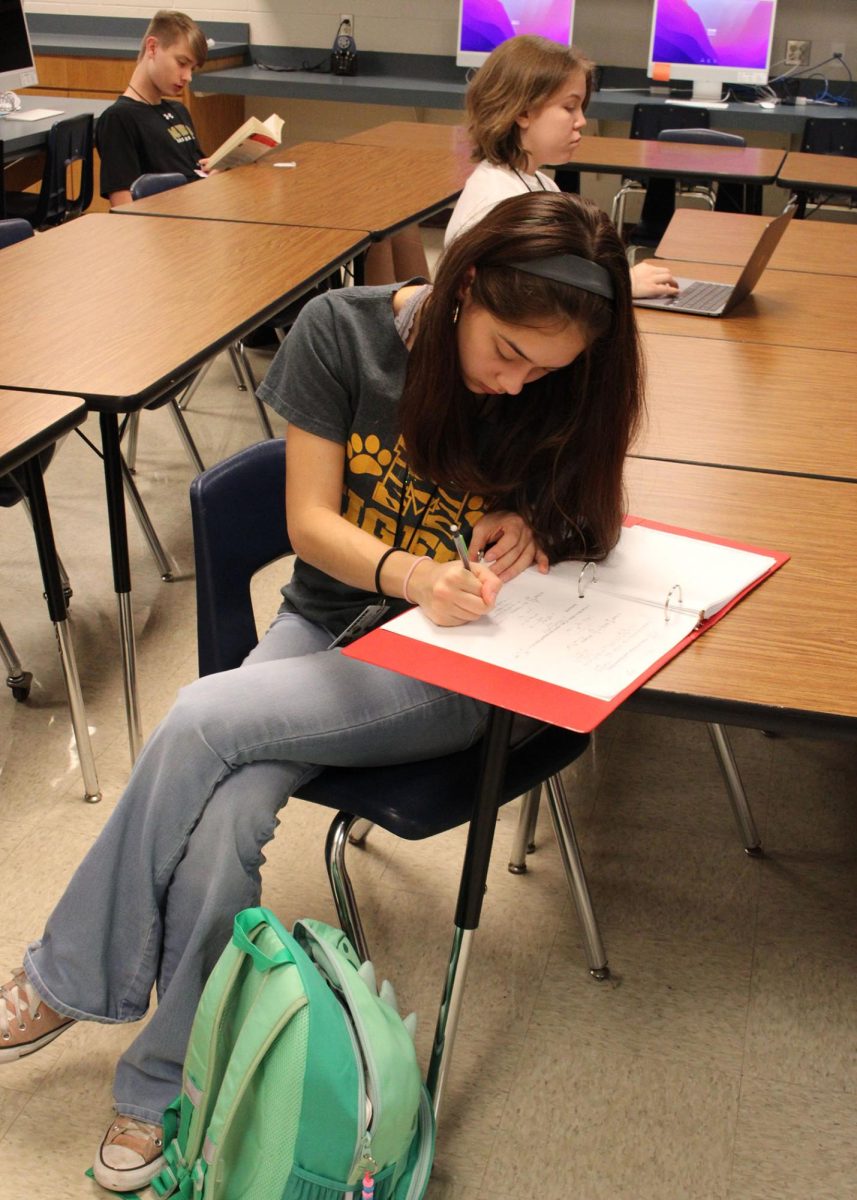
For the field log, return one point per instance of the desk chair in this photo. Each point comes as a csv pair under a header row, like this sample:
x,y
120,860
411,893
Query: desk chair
x,y
647,122
237,508
69,142
827,137
659,204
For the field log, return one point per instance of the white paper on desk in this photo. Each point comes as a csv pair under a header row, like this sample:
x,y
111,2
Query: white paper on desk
x,y
542,629
604,642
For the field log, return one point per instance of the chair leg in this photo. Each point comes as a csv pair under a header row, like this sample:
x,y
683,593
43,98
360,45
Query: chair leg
x,y
145,523
234,363
340,883
185,435
747,831
17,679
359,832
569,849
191,389
130,455
523,843
242,364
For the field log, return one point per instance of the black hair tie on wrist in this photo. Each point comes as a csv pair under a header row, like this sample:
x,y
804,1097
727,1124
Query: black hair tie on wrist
x,y
381,561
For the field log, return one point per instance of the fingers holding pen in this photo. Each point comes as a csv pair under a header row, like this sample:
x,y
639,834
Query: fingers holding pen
x,y
450,594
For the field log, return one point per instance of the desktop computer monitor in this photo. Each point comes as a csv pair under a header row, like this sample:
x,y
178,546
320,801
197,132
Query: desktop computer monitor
x,y
17,66
484,24
712,43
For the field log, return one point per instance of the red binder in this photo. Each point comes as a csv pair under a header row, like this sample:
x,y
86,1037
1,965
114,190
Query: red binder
x,y
519,692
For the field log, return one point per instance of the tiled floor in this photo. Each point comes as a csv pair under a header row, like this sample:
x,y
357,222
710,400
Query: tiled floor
x,y
719,1063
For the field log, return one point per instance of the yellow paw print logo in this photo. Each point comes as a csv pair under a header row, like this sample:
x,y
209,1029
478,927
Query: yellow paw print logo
x,y
475,509
367,458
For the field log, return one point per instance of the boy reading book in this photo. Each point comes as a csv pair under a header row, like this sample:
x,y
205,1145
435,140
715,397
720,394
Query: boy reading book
x,y
147,129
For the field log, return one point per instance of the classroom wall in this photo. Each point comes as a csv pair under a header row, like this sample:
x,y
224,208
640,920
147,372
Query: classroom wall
x,y
611,31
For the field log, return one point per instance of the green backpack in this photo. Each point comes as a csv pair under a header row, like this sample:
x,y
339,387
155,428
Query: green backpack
x,y
300,1081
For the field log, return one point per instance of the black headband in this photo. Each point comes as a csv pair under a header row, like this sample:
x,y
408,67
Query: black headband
x,y
569,268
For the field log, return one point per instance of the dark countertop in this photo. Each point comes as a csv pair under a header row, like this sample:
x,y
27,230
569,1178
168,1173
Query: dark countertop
x,y
119,37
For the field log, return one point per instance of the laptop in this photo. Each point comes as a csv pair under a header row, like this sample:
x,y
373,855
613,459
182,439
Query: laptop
x,y
706,299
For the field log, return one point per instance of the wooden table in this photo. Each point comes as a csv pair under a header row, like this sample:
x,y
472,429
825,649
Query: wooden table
x,y
635,156
756,407
819,172
124,312
373,189
787,308
815,247
417,136
786,657
29,424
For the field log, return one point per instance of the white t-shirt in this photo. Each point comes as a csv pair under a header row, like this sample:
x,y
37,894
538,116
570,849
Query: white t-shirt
x,y
487,186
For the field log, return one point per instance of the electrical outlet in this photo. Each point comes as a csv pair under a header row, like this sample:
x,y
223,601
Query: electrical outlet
x,y
797,53
349,19
837,48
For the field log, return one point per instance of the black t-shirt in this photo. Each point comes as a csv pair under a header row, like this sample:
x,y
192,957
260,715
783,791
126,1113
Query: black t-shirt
x,y
135,138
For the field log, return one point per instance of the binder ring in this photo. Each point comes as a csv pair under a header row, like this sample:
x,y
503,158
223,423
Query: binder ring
x,y
581,577
676,587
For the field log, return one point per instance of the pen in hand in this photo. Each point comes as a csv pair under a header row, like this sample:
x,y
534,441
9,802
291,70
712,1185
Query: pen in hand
x,y
460,546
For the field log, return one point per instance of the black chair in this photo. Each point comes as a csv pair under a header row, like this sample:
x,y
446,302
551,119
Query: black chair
x,y
834,136
239,525
69,141
647,122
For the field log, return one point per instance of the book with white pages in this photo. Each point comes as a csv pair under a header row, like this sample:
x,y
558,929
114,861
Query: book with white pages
x,y
247,144
569,646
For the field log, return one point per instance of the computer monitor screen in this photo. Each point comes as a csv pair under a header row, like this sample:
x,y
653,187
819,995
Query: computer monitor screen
x,y
484,24
17,68
711,43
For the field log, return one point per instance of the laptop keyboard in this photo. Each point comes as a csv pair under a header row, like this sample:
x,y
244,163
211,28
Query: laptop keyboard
x,y
709,296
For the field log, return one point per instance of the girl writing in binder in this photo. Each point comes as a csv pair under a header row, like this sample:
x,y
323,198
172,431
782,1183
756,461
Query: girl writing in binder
x,y
526,107
502,399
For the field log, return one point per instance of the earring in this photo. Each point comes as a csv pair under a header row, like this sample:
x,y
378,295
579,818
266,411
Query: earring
x,y
456,310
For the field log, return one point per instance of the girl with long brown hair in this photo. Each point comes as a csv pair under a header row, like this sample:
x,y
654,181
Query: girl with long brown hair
x,y
501,400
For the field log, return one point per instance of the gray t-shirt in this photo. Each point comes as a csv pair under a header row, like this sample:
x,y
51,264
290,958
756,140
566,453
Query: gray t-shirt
x,y
339,375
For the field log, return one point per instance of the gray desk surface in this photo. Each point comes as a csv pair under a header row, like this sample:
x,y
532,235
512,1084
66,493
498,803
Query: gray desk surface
x,y
413,90
352,89
24,136
77,45
619,106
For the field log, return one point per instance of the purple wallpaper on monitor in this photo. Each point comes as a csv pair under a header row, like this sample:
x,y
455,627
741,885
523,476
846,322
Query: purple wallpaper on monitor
x,y
733,33
486,23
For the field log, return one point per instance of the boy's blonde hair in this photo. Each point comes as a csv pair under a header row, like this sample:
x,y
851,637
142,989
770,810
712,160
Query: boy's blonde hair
x,y
519,75
169,27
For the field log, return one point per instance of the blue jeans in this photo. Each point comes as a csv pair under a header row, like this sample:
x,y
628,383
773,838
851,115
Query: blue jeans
x,y
152,902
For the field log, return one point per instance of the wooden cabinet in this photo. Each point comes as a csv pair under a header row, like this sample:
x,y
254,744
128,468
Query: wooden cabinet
x,y
214,117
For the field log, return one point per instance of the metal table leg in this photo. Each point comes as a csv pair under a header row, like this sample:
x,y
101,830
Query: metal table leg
x,y
58,609
121,574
